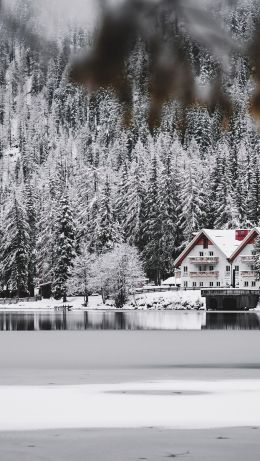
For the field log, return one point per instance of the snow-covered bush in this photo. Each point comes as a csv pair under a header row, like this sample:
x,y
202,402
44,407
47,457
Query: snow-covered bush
x,y
117,273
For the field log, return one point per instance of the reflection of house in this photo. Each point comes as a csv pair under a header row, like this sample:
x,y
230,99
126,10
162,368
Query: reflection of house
x,y
218,258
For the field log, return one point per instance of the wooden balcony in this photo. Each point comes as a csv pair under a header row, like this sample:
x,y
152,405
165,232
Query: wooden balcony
x,y
204,259
204,274
248,259
248,273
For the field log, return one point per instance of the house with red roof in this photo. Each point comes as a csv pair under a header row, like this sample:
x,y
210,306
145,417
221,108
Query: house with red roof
x,y
242,260
213,259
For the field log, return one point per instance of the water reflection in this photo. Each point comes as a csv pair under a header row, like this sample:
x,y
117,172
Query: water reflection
x,y
130,320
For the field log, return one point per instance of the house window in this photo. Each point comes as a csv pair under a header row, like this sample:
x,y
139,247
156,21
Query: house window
x,y
202,268
194,284
237,268
227,268
218,284
211,284
201,253
211,253
185,268
246,284
185,284
201,284
252,268
253,284
211,268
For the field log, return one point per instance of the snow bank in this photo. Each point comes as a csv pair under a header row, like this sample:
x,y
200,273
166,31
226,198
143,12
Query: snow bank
x,y
190,299
181,299
170,404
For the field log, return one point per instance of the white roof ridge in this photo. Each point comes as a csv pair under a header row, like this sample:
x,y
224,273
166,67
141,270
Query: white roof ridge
x,y
224,239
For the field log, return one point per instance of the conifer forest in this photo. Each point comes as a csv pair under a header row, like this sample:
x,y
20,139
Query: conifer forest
x,y
76,179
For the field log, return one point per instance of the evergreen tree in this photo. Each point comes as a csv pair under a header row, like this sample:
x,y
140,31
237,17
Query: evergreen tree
x,y
257,258
107,229
16,248
152,226
64,250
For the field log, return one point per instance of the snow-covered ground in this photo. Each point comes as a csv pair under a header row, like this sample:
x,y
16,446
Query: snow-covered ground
x,y
168,404
161,300
181,299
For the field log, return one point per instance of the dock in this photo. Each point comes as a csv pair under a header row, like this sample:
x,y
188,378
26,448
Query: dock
x,y
232,299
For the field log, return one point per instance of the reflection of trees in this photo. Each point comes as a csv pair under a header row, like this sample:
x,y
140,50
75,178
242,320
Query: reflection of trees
x,y
128,320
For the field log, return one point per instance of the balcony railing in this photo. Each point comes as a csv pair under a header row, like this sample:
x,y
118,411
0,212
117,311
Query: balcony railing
x,y
204,259
204,274
248,273
248,258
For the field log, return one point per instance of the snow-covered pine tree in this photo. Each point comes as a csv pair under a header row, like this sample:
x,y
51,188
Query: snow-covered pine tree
x,y
15,247
169,203
64,249
30,200
257,258
192,201
107,229
152,225
136,195
252,201
79,279
121,203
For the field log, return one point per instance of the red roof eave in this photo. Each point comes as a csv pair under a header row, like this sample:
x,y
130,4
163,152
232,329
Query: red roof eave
x,y
189,247
243,244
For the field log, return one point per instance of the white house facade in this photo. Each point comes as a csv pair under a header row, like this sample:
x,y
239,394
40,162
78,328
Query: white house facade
x,y
242,261
207,260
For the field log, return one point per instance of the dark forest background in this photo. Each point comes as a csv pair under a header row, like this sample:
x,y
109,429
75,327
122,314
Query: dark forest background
x,y
73,177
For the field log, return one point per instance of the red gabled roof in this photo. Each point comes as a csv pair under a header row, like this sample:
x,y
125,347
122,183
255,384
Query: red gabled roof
x,y
189,247
254,233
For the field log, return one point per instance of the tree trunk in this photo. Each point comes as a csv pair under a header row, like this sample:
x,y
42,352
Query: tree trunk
x,y
103,294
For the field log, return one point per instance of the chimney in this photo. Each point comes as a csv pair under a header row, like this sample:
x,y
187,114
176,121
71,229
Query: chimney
x,y
240,234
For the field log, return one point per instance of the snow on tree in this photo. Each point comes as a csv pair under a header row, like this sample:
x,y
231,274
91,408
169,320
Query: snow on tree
x,y
152,226
117,273
191,199
107,230
15,247
124,183
257,258
80,275
64,247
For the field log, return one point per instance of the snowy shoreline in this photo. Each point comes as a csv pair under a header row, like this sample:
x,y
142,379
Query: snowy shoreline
x,y
168,300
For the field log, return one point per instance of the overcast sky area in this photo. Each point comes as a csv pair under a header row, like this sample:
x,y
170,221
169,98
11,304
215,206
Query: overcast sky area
x,y
55,14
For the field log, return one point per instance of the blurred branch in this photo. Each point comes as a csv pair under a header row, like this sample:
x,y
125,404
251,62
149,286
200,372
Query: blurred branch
x,y
171,73
165,27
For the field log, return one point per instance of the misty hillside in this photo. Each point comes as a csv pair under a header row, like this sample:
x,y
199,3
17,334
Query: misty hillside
x,y
67,162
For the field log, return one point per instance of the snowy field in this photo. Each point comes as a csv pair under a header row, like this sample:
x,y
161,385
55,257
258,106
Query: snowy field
x,y
167,299
166,404
138,393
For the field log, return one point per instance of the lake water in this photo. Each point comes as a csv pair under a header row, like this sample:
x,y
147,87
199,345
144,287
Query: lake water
x,y
128,320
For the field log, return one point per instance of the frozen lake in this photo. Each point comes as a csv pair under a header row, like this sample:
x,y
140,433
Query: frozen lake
x,y
128,320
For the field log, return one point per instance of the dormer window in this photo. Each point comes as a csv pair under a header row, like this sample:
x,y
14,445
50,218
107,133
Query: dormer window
x,y
211,253
201,253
